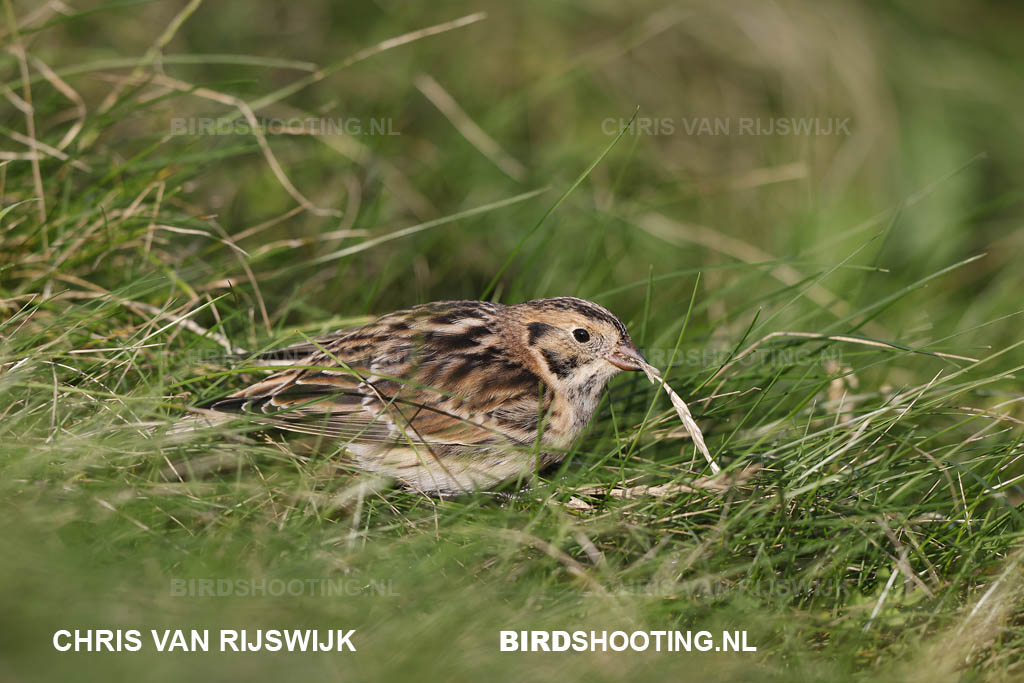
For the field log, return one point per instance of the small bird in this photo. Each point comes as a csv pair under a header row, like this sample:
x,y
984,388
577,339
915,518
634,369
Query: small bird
x,y
452,396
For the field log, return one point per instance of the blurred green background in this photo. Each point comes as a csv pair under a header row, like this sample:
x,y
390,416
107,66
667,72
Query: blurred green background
x,y
931,97
868,225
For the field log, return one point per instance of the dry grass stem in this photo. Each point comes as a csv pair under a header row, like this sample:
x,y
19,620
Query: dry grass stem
x,y
684,414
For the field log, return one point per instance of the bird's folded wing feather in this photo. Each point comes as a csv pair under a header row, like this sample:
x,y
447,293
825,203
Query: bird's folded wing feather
x,y
434,377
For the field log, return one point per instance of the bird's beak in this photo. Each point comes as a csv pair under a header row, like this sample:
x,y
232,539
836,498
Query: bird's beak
x,y
626,357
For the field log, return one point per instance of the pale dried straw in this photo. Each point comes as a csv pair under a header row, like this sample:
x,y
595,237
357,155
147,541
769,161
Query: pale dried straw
x,y
684,414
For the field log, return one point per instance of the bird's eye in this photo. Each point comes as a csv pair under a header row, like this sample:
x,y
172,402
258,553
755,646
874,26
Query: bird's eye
x,y
581,335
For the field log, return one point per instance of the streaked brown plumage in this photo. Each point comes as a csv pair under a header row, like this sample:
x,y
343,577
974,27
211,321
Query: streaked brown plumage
x,y
449,396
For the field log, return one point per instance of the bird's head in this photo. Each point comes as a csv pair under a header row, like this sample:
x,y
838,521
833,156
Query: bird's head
x,y
574,343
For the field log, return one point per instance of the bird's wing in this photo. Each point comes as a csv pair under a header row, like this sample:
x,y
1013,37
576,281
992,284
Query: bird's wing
x,y
434,374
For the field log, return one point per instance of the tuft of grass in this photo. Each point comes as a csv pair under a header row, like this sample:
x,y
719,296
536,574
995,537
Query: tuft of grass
x,y
841,314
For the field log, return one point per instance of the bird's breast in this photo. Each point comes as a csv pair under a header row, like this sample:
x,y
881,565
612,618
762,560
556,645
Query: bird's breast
x,y
570,414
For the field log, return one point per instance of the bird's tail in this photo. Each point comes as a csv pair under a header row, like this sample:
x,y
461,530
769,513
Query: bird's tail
x,y
199,419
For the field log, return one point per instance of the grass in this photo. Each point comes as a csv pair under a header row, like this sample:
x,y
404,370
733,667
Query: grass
x,y
841,314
